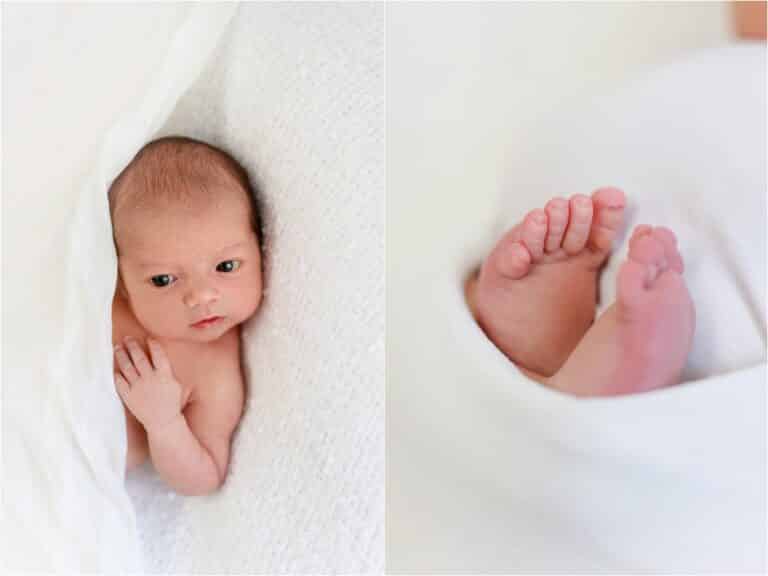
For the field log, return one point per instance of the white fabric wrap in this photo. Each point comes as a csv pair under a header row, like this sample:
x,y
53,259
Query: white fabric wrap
x,y
506,475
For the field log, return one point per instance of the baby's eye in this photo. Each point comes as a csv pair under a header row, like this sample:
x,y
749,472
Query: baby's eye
x,y
163,280
228,266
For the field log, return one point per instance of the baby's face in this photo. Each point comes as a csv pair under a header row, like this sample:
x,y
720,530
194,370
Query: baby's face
x,y
180,266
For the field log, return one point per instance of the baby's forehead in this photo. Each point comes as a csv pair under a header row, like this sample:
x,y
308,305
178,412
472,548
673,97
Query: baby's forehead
x,y
170,253
153,222
174,238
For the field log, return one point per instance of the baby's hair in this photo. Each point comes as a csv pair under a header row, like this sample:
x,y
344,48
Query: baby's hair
x,y
175,168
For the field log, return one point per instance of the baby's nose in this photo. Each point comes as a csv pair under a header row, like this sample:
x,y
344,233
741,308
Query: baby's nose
x,y
200,295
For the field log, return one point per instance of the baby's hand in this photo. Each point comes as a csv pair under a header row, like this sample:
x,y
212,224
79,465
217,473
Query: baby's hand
x,y
150,391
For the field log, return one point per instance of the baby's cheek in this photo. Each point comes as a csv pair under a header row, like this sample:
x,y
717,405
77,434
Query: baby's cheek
x,y
159,316
254,296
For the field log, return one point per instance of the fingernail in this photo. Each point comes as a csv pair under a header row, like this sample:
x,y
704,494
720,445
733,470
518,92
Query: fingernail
x,y
118,348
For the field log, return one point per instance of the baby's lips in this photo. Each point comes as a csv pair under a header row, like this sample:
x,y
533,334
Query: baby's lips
x,y
207,318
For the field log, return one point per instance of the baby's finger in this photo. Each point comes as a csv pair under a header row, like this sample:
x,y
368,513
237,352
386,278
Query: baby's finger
x,y
125,365
138,357
122,385
159,358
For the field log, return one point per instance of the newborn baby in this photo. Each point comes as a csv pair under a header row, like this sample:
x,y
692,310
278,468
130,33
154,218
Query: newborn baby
x,y
535,297
187,234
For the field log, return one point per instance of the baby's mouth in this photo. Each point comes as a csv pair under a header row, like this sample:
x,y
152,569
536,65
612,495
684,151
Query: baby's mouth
x,y
206,322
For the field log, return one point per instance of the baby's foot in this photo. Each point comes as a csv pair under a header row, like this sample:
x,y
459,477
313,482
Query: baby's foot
x,y
642,341
536,292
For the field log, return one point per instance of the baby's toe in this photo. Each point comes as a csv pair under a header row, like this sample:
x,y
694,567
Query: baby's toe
x,y
534,232
513,261
557,215
669,241
578,224
509,258
649,252
609,197
608,205
640,231
669,280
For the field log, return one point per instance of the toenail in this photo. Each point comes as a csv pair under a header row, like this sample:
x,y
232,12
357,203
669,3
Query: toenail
x,y
539,218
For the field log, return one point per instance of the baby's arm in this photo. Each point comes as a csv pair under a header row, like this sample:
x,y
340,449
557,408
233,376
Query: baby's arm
x,y
182,460
214,416
192,454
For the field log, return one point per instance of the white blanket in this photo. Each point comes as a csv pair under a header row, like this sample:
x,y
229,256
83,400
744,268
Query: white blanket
x,y
295,93
497,473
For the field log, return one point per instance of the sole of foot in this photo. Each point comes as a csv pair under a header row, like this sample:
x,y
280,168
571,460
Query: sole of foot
x,y
535,294
642,341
